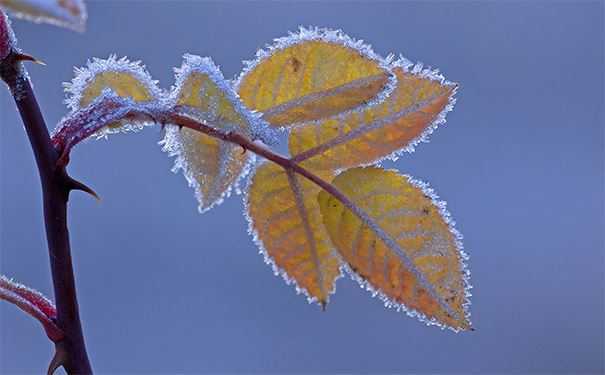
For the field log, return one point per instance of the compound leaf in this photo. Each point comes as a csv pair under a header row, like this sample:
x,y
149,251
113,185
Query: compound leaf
x,y
400,242
286,221
66,13
417,105
211,166
313,75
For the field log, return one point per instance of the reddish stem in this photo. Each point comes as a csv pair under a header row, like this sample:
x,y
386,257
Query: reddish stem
x,y
56,185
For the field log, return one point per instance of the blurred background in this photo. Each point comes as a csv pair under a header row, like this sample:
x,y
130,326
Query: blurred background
x,y
163,289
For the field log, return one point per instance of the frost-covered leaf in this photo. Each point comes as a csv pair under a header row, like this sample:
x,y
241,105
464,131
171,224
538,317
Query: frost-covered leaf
x,y
122,77
66,13
399,241
418,104
211,166
33,303
286,222
312,75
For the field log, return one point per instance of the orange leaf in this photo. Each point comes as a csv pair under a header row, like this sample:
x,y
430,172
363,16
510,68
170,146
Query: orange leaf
x,y
284,216
417,105
399,241
313,75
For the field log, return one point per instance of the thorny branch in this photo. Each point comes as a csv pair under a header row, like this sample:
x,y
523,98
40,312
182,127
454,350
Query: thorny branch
x,y
70,351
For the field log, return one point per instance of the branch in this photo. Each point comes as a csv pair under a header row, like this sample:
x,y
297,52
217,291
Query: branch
x,y
109,108
33,303
56,185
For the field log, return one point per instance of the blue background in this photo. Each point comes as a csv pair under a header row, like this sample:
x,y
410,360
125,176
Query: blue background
x,y
163,289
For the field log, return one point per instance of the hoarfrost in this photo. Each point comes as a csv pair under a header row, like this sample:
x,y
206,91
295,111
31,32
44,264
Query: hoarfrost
x,y
305,34
463,258
268,259
183,144
85,76
433,75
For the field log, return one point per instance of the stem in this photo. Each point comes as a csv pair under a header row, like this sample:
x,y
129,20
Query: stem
x,y
56,185
287,164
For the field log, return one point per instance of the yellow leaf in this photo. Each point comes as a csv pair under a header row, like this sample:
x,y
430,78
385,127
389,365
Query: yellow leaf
x,y
396,237
312,75
211,166
66,13
284,215
408,115
124,78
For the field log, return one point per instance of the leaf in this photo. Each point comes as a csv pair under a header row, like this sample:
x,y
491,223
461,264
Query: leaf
x,y
401,243
33,303
284,216
313,75
124,78
66,13
211,166
418,104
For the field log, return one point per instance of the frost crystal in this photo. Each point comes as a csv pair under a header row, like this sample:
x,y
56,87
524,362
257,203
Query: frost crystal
x,y
328,36
268,259
258,128
213,171
463,258
433,75
85,77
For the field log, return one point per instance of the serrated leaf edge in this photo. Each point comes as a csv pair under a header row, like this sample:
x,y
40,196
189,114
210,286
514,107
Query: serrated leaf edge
x,y
463,260
268,259
335,36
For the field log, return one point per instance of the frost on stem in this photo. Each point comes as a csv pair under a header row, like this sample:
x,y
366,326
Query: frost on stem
x,y
33,303
92,120
211,166
212,133
124,78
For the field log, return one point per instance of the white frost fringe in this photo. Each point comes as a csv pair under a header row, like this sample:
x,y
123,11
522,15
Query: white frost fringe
x,y
463,259
85,75
277,271
173,142
328,36
433,75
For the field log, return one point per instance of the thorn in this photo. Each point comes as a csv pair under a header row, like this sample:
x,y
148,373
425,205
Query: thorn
x,y
20,56
57,361
77,185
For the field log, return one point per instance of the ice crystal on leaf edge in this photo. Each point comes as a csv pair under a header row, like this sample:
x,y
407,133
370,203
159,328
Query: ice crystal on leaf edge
x,y
335,36
173,141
